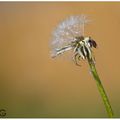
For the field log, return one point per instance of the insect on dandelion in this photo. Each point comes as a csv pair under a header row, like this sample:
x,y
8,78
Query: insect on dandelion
x,y
69,35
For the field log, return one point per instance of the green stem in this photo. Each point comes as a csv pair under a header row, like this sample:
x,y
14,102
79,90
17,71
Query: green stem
x,y
101,88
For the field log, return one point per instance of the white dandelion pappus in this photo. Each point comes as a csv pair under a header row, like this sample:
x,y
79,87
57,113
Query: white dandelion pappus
x,y
68,29
69,34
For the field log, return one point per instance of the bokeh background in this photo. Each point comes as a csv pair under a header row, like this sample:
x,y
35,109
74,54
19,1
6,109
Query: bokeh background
x,y
32,84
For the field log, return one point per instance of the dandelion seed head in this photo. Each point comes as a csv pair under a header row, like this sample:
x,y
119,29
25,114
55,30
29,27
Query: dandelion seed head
x,y
67,30
69,35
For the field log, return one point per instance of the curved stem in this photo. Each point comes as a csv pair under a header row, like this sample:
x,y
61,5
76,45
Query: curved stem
x,y
101,88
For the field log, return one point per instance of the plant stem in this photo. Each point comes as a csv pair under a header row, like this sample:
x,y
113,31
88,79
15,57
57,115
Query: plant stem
x,y
101,89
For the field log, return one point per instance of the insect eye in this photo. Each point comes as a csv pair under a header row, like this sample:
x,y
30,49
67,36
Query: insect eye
x,y
92,43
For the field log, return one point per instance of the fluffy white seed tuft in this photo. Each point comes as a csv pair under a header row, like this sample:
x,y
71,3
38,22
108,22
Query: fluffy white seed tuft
x,y
67,30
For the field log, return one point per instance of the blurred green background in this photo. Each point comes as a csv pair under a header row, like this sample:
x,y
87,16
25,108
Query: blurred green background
x,y
32,84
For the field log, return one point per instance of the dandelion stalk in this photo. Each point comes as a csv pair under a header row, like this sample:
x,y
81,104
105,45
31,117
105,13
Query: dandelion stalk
x,y
101,88
69,35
